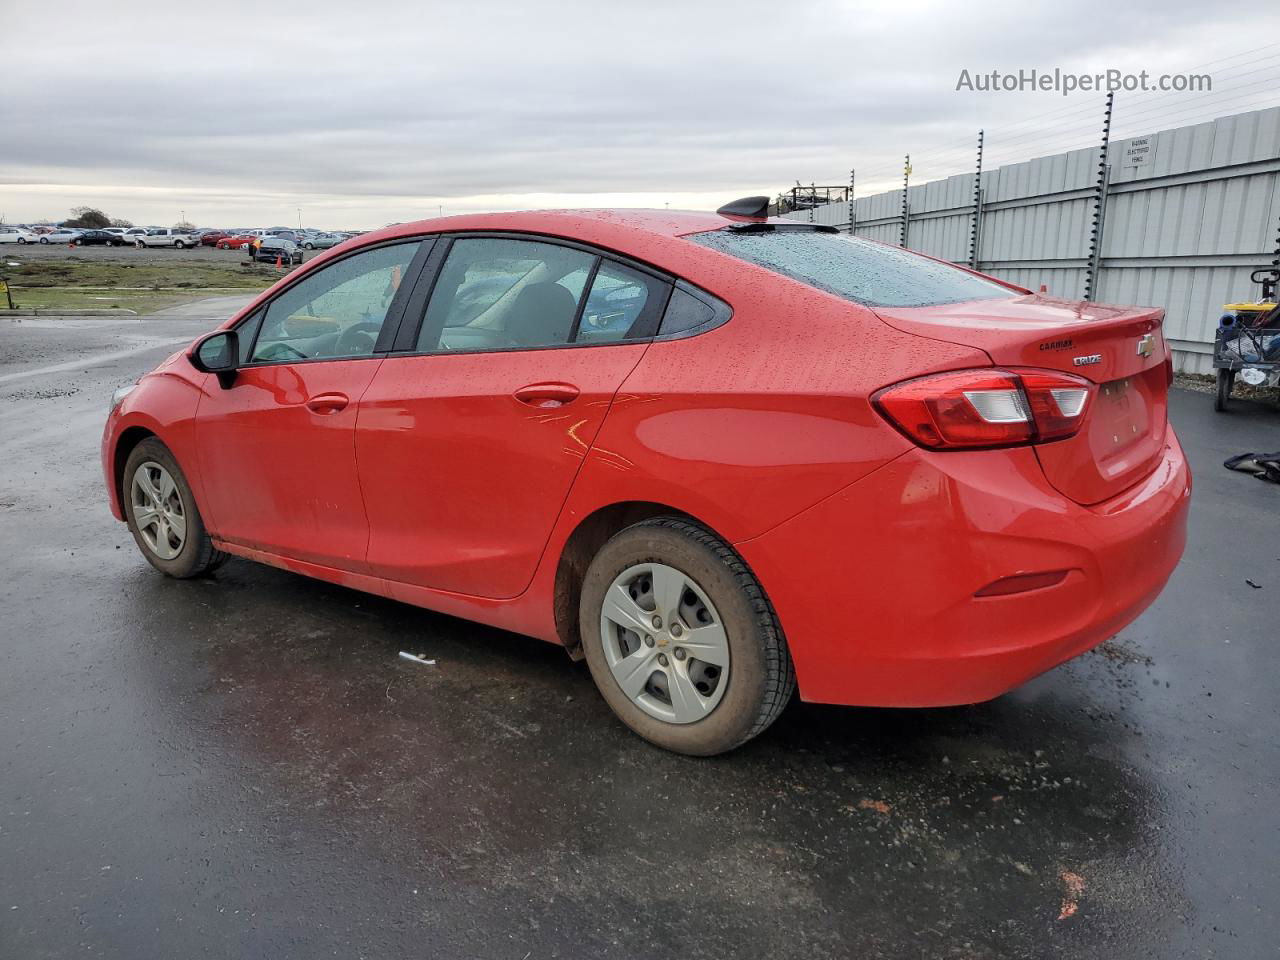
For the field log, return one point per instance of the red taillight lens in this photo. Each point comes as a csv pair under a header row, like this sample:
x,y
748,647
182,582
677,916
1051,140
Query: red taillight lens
x,y
986,408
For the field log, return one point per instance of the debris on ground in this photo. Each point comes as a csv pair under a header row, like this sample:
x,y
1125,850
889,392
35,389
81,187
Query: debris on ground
x,y
879,806
404,655
1074,884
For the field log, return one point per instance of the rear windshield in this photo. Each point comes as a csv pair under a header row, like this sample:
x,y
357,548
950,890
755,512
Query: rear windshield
x,y
855,269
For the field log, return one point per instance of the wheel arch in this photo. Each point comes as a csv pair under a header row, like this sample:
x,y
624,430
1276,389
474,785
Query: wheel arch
x,y
128,440
581,546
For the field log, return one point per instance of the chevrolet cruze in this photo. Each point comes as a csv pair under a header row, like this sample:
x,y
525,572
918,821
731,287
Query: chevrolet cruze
x,y
719,456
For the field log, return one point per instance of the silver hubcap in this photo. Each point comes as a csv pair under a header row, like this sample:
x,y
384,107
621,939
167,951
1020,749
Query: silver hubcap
x,y
158,512
665,643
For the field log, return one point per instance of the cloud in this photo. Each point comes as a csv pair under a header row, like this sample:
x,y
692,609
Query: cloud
x,y
363,110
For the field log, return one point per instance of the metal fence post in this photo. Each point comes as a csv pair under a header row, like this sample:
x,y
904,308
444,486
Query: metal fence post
x,y
853,210
1099,206
906,212
976,228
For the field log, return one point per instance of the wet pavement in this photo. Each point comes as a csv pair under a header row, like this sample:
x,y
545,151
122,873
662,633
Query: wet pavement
x,y
241,766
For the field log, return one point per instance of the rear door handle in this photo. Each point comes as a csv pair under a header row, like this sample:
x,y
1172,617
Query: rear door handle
x,y
547,394
327,403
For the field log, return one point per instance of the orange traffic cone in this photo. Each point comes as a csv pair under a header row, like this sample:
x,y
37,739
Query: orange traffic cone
x,y
279,264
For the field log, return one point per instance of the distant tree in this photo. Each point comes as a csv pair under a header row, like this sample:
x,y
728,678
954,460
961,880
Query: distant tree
x,y
88,217
184,225
117,222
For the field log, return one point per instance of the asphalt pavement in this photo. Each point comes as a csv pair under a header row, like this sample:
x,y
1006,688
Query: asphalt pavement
x,y
241,766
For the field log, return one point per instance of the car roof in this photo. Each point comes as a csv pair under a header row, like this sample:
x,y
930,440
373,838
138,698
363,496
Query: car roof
x,y
667,223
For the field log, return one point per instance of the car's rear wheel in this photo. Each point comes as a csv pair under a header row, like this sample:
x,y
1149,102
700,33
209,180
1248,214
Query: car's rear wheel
x,y
22,240
681,640
308,246
162,513
44,239
1226,380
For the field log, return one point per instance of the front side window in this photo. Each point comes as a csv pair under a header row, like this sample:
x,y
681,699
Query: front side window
x,y
499,294
337,311
869,273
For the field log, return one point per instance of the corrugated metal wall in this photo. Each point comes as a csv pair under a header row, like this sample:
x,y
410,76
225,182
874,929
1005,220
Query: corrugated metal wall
x,y
1182,231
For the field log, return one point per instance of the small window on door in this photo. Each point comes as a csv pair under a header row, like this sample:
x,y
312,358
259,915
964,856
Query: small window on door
x,y
337,311
501,294
623,305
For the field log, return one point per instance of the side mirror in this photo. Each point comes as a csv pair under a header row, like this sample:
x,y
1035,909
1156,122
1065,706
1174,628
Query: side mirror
x,y
218,353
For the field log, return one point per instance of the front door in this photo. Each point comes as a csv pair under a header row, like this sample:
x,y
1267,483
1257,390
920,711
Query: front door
x,y
277,446
468,449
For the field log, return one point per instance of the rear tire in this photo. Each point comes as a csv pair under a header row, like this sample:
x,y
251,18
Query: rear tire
x,y
707,665
1226,380
162,514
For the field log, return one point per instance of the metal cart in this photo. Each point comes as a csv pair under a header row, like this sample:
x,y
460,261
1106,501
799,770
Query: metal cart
x,y
1247,343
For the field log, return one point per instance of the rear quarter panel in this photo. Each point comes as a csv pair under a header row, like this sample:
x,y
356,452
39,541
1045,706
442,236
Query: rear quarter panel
x,y
746,425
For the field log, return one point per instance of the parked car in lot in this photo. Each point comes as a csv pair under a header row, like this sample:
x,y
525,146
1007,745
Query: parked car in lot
x,y
321,241
235,242
210,238
165,237
273,248
12,234
716,455
61,235
100,238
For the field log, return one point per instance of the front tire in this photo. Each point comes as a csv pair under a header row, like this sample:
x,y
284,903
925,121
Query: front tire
x,y
681,640
162,513
179,245
44,239
22,240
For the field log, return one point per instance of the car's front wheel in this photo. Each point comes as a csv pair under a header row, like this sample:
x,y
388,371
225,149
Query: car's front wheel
x,y
308,246
179,245
22,240
681,640
44,239
162,513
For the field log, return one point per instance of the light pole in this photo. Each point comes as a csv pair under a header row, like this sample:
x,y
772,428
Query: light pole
x,y
299,218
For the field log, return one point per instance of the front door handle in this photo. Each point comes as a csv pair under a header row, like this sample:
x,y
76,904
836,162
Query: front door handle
x,y
547,394
327,403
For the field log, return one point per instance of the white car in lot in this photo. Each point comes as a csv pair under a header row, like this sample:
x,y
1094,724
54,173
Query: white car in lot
x,y
163,237
62,235
10,234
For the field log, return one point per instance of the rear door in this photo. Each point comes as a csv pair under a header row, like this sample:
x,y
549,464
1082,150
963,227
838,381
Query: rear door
x,y
277,445
469,440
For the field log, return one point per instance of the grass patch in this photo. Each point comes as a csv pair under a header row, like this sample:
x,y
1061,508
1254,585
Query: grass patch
x,y
76,284
100,274
140,301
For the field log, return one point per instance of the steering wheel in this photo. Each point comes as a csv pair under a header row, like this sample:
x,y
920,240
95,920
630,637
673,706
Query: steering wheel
x,y
358,339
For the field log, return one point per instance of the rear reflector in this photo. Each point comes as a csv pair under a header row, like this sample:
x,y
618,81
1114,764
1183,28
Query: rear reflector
x,y
1021,583
969,409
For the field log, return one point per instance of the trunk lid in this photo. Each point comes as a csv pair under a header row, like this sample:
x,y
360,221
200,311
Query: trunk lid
x,y
1120,349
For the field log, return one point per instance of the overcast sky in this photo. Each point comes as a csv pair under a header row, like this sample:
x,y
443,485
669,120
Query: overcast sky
x,y
367,112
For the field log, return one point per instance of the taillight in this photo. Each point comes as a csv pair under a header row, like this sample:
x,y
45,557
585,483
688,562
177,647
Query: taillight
x,y
969,409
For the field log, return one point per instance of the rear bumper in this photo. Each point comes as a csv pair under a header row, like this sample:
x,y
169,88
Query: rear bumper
x,y
875,585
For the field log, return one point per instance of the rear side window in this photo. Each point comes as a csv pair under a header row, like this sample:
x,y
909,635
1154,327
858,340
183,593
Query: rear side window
x,y
855,269
621,305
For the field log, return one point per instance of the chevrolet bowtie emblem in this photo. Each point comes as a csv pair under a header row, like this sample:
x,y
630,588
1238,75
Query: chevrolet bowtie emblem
x,y
1147,345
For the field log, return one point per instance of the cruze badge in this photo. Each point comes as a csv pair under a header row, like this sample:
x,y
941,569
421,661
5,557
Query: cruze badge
x,y
1147,345
1086,361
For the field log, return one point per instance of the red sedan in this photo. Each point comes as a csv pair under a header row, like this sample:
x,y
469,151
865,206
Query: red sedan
x,y
717,456
234,242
